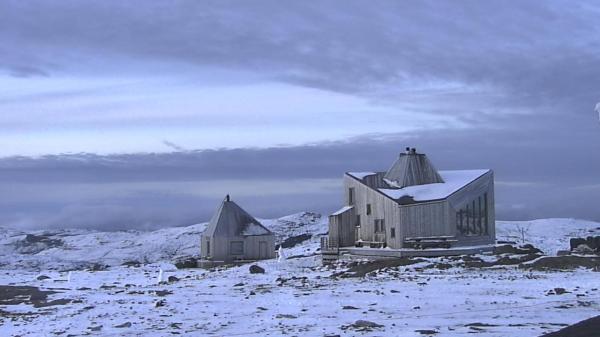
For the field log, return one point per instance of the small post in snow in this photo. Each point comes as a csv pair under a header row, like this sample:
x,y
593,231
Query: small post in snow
x,y
281,256
160,276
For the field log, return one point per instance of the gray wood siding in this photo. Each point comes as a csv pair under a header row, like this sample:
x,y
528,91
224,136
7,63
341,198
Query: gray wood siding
x,y
341,228
381,208
219,247
425,219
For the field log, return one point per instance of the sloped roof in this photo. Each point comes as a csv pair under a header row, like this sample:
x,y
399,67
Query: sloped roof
x,y
453,181
412,168
231,220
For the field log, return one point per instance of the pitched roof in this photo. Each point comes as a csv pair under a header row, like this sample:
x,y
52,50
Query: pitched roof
x,y
231,220
453,181
412,168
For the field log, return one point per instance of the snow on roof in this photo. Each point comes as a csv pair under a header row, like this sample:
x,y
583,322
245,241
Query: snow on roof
x,y
454,180
361,175
342,210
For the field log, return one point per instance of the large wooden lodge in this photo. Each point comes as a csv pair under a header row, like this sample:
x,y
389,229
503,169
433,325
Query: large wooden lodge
x,y
413,209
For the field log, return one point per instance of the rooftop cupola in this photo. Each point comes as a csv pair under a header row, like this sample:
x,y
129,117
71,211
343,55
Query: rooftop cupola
x,y
412,168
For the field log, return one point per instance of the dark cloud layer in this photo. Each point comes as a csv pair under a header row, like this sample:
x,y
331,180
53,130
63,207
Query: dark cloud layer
x,y
524,78
533,179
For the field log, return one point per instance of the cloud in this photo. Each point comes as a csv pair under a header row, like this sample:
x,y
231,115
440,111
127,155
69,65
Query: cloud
x,y
535,169
173,146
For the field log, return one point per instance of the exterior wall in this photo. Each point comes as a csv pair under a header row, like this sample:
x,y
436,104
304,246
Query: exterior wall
x,y
342,228
484,184
424,220
219,247
382,207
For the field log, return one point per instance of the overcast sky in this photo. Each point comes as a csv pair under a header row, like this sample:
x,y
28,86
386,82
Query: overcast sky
x,y
178,102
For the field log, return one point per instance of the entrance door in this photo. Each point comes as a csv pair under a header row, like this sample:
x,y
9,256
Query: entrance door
x,y
262,250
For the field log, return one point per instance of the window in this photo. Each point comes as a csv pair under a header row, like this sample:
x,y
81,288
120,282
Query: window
x,y
379,226
368,209
236,248
351,196
207,247
472,219
358,220
392,232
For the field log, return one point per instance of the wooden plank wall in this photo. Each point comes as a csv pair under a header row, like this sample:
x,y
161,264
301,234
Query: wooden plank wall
x,y
425,219
381,208
341,228
220,247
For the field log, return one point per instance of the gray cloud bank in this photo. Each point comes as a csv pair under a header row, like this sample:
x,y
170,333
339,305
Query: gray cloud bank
x,y
171,189
523,76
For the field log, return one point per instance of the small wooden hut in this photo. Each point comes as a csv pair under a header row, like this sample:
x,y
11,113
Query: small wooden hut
x,y
233,234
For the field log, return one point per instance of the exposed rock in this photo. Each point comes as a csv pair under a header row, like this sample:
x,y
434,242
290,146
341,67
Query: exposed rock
x,y
160,303
186,262
294,240
587,328
363,325
33,244
349,307
583,249
131,264
427,332
97,267
123,325
557,291
172,279
42,277
509,249
362,269
162,293
563,262
255,269
285,316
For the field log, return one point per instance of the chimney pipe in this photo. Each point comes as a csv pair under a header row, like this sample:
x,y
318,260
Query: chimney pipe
x,y
227,197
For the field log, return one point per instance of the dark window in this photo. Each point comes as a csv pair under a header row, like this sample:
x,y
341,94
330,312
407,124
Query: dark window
x,y
379,226
208,247
351,196
485,213
392,232
236,248
368,209
358,220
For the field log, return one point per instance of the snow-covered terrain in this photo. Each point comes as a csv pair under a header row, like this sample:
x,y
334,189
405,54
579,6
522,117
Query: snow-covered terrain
x,y
59,293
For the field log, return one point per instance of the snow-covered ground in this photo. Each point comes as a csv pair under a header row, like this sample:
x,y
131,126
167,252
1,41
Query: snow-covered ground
x,y
297,297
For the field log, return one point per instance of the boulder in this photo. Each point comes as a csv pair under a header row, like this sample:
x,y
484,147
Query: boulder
x,y
575,242
186,262
172,279
583,249
255,269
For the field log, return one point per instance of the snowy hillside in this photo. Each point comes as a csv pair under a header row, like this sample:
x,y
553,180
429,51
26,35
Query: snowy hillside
x,y
451,296
79,249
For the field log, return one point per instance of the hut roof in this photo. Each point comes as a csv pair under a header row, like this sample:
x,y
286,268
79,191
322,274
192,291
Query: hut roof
x,y
231,220
453,181
412,168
